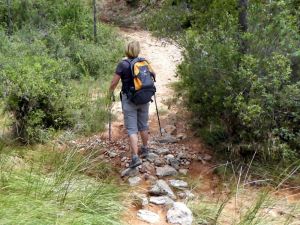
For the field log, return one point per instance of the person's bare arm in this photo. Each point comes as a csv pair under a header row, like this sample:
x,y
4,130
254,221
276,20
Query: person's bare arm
x,y
114,82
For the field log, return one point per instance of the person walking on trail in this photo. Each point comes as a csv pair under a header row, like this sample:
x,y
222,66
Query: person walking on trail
x,y
138,88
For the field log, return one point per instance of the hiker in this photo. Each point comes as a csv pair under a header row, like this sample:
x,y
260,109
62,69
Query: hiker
x,y
135,104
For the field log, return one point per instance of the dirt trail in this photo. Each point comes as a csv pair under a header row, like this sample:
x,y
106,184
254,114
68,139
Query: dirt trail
x,y
164,57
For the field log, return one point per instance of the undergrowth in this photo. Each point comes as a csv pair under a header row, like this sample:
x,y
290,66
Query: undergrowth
x,y
43,186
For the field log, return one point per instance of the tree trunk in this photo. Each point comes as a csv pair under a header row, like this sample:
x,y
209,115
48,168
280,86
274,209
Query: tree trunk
x,y
243,24
9,19
95,20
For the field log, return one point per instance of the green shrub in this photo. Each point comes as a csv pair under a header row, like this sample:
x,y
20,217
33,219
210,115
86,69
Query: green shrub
x,y
51,68
36,95
248,101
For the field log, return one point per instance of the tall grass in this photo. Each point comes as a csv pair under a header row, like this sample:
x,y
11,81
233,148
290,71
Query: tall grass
x,y
241,204
43,186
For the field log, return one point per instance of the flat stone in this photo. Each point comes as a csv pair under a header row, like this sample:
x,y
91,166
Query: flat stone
x,y
133,181
147,168
162,188
207,157
183,171
148,216
169,156
159,162
181,136
188,195
165,171
129,172
124,159
180,214
174,163
152,157
201,159
178,183
140,199
170,129
112,154
167,139
182,155
150,178
162,151
161,200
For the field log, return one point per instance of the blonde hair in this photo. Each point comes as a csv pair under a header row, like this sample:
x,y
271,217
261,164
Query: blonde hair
x,y
133,49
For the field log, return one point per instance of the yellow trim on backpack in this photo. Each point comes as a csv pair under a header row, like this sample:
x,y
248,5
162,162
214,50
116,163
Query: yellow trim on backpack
x,y
137,84
138,65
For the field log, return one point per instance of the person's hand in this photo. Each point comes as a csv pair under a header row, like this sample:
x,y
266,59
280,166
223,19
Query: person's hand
x,y
110,98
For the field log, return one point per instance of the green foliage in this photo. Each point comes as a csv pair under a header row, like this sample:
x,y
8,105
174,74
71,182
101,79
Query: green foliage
x,y
38,99
51,69
241,102
41,186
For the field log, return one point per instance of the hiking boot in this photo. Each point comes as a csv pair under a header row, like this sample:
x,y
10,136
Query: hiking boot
x,y
144,152
135,162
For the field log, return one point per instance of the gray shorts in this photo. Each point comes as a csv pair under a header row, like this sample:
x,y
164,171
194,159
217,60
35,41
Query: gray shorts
x,y
135,116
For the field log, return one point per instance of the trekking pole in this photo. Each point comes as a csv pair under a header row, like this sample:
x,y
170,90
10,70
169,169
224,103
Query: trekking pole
x,y
112,98
157,115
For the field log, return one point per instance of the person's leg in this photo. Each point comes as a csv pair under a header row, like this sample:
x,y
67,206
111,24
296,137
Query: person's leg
x,y
130,120
145,137
133,139
142,118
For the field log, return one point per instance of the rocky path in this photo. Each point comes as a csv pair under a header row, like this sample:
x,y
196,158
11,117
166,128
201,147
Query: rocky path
x,y
179,169
159,189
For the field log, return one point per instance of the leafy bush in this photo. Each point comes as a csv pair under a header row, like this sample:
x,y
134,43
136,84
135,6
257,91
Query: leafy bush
x,y
36,94
242,101
49,51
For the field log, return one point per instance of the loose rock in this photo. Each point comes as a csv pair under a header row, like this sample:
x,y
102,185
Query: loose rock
x,y
162,151
207,157
180,214
201,160
147,168
124,159
181,136
167,139
178,183
188,195
161,200
169,156
130,172
159,162
152,157
165,171
140,199
133,181
174,163
162,188
151,178
171,129
183,171
182,155
148,216
112,154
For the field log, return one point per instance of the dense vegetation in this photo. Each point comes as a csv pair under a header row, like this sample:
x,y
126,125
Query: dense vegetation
x,y
53,79
240,74
51,67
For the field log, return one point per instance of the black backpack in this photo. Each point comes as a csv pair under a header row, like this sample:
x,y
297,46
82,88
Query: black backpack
x,y
143,87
